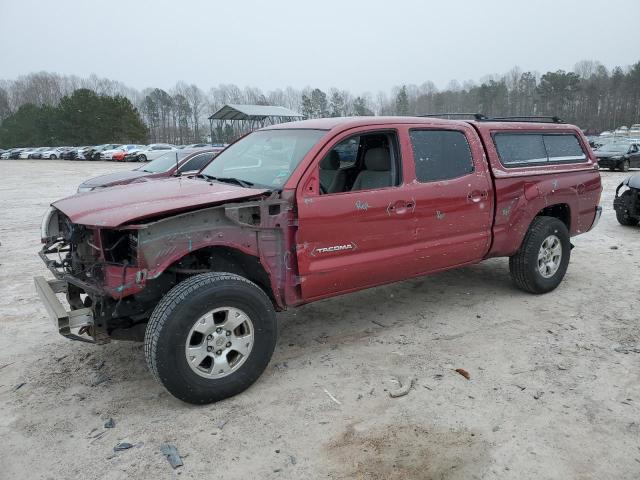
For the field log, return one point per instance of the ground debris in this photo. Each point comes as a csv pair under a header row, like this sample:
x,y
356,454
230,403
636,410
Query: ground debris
x,y
464,373
220,424
538,395
122,446
111,423
380,324
334,399
627,350
19,386
98,378
172,455
97,436
405,386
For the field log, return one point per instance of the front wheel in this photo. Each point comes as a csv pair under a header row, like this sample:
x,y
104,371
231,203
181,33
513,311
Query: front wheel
x,y
542,260
624,167
52,157
142,158
210,337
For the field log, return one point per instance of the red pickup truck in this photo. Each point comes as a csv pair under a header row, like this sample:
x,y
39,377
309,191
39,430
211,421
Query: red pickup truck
x,y
197,266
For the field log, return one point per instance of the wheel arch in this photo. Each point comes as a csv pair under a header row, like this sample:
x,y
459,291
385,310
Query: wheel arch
x,y
224,258
561,211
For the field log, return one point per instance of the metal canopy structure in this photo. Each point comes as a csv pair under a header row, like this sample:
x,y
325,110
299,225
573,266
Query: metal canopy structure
x,y
236,120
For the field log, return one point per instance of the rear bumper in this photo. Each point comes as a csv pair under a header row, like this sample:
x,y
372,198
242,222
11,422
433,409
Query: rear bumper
x,y
64,320
596,219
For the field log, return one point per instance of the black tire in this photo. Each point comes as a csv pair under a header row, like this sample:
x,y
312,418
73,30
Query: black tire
x,y
142,158
623,216
52,157
175,315
612,169
624,166
524,264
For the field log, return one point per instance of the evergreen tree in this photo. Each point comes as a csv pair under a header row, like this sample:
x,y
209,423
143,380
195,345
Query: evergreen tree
x,y
402,101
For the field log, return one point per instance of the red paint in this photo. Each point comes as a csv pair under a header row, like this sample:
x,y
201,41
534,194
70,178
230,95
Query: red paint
x,y
116,206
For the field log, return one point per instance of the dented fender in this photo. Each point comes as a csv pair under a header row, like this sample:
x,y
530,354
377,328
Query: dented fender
x,y
255,228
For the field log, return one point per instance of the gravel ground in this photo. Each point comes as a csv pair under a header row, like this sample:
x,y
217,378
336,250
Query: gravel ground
x,y
554,388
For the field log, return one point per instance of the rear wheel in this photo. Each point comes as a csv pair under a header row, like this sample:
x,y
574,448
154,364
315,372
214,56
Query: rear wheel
x,y
542,260
52,157
210,337
623,215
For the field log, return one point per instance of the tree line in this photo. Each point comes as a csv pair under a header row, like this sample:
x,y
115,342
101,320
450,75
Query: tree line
x,y
591,96
81,118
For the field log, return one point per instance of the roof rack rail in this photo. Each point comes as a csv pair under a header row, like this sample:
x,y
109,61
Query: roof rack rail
x,y
525,118
476,116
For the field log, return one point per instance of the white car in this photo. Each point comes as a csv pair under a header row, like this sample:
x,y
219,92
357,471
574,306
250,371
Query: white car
x,y
153,151
52,153
27,152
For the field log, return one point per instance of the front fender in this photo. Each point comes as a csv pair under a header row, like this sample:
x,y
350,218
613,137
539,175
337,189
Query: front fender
x,y
252,228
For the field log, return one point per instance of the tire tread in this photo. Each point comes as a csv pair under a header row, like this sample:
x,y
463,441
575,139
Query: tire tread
x,y
171,300
518,265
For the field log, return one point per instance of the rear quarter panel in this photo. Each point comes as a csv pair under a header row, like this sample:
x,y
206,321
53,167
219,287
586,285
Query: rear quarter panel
x,y
521,193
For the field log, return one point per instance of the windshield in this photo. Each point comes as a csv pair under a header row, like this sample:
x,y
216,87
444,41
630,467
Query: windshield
x,y
164,162
264,158
615,147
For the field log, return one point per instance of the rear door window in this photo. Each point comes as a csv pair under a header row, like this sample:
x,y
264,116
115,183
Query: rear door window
x,y
522,149
440,154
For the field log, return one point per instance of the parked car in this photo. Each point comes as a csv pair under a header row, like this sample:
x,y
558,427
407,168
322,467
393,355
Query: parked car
x,y
151,152
52,153
618,156
187,161
65,154
627,203
74,153
6,155
37,154
93,153
26,153
15,153
119,152
197,266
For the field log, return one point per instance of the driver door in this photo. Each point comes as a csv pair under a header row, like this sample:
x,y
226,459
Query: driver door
x,y
357,237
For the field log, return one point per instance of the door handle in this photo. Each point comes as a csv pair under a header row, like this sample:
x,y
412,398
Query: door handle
x,y
476,195
401,207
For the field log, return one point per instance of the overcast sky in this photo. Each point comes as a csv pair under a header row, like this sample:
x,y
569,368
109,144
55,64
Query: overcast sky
x,y
357,45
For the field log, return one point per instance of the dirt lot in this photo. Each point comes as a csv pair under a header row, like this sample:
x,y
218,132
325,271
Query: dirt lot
x,y
554,390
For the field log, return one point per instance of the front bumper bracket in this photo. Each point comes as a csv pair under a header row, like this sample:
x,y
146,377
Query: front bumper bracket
x,y
65,320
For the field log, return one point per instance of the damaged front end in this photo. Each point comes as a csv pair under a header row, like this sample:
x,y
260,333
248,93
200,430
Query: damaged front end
x,y
95,269
114,277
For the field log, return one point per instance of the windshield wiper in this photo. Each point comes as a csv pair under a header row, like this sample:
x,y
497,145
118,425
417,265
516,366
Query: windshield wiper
x,y
237,181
